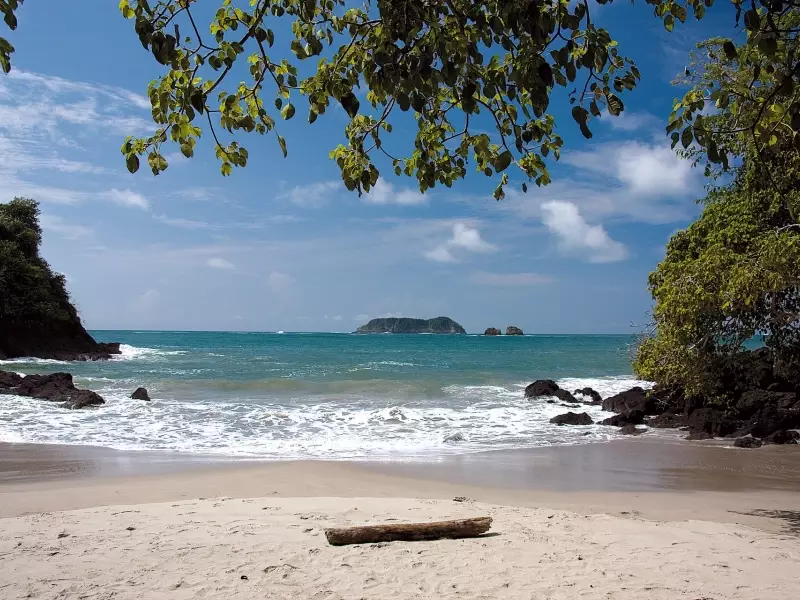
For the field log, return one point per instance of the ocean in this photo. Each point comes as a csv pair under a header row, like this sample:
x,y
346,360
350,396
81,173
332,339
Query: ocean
x,y
324,395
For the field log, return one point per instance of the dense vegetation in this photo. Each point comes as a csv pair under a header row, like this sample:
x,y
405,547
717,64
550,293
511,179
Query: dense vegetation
x,y
407,325
36,316
29,289
734,274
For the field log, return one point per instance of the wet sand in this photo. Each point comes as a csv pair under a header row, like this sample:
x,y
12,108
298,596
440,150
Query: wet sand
x,y
660,480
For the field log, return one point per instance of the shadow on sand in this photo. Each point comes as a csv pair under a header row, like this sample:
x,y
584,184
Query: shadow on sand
x,y
790,518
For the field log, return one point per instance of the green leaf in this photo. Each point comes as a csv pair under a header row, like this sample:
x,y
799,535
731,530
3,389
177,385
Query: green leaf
x,y
132,162
282,144
686,137
730,50
502,162
350,104
669,22
288,111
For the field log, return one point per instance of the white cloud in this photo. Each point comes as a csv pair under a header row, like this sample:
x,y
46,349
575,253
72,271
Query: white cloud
x,y
465,238
469,238
219,263
383,192
577,238
312,195
440,254
57,225
644,169
631,121
361,317
279,281
509,279
183,223
128,198
337,317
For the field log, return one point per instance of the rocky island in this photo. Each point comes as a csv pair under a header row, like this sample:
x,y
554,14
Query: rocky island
x,y
407,325
36,316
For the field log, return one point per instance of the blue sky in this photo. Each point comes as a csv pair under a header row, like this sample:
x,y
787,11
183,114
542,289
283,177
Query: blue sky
x,y
281,245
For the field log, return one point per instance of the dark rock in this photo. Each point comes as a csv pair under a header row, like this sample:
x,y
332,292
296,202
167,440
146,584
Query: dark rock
x,y
83,398
492,331
140,394
634,417
714,421
782,437
747,442
9,379
667,421
633,399
65,340
511,330
597,399
753,401
56,387
550,401
572,418
455,438
541,387
565,396
771,419
700,435
631,429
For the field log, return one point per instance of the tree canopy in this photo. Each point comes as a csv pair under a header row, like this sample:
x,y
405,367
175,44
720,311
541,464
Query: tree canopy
x,y
29,289
734,274
451,62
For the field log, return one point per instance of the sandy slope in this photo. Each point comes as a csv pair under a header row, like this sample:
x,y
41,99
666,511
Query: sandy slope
x,y
275,548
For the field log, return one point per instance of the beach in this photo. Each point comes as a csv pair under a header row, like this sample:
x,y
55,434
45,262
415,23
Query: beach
x,y
657,520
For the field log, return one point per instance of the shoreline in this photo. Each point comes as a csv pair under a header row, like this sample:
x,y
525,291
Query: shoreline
x,y
626,520
659,480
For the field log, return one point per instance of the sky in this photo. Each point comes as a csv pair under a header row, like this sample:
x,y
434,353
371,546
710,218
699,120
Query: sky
x,y
282,245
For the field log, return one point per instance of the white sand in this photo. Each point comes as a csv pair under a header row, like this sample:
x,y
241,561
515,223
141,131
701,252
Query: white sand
x,y
203,548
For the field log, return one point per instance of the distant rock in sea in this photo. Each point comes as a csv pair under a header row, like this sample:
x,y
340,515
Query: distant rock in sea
x,y
407,325
492,331
511,330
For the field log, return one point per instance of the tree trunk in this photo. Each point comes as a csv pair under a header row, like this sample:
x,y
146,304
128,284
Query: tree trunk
x,y
409,532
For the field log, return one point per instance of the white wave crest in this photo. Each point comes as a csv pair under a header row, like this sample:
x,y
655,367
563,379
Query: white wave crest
x,y
128,352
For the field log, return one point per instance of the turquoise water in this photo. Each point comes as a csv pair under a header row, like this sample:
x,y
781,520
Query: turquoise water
x,y
323,395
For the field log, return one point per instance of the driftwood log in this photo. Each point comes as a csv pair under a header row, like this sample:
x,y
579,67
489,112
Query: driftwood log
x,y
409,532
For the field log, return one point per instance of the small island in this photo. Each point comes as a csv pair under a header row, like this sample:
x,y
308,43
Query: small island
x,y
407,325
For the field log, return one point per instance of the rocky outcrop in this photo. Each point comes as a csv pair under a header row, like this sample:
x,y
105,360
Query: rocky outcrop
x,y
634,417
759,399
36,316
406,325
541,387
492,331
140,393
748,442
572,418
631,429
454,438
596,399
633,399
511,330
668,421
548,387
782,437
56,387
